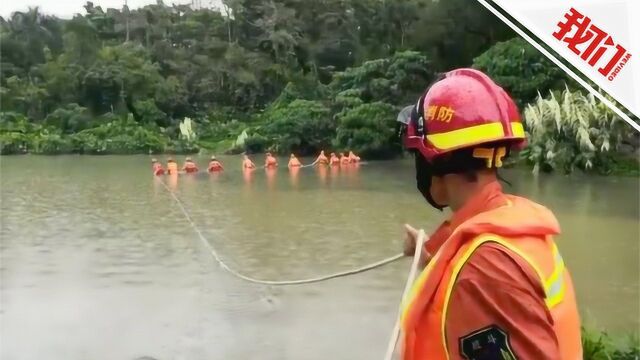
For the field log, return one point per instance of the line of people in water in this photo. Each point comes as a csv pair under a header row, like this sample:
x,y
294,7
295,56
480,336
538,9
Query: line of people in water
x,y
270,162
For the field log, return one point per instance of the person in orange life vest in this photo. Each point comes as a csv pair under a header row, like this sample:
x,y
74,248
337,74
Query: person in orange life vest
x,y
247,164
172,167
321,159
334,160
344,160
270,161
294,162
214,165
496,286
353,158
189,166
157,167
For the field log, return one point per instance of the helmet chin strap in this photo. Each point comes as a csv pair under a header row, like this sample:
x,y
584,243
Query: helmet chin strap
x,y
424,176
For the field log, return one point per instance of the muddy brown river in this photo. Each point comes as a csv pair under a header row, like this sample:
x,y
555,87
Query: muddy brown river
x,y
98,262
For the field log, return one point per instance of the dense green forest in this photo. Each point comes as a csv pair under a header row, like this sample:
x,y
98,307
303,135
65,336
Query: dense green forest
x,y
279,75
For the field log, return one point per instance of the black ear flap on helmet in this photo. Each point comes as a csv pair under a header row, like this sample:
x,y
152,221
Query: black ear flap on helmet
x,y
424,177
412,116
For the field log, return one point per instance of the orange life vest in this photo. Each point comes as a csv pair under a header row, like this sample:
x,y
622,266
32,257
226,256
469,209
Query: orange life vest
x,y
344,160
294,162
322,160
215,165
248,164
525,230
172,167
335,160
271,162
157,169
190,167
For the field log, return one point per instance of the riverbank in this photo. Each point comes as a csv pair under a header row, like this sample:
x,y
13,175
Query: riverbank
x,y
624,165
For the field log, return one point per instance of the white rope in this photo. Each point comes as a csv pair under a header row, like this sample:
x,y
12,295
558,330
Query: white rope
x,y
395,334
235,273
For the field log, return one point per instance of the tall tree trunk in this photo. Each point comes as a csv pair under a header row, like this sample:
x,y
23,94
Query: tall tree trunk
x,y
126,20
226,11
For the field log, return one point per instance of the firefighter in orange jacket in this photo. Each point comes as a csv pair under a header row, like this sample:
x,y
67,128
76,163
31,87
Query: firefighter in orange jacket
x,y
247,164
214,165
294,162
321,159
334,160
344,160
189,166
172,167
270,161
157,167
496,286
353,158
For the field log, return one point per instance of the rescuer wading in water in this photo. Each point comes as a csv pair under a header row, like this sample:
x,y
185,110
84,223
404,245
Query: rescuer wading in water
x,y
494,286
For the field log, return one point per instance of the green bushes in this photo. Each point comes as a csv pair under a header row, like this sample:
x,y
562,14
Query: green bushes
x,y
574,131
13,142
114,135
521,69
119,136
51,143
149,112
255,144
369,129
302,126
69,119
356,111
598,345
395,80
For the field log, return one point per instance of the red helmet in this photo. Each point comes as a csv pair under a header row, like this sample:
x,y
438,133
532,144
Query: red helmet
x,y
463,110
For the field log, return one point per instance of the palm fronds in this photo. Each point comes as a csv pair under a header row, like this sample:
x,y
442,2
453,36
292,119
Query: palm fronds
x,y
571,131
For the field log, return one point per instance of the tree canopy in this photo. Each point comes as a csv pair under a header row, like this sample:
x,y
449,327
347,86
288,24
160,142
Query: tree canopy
x,y
281,75
246,63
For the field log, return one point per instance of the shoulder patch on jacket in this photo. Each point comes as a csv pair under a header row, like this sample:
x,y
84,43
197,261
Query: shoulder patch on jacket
x,y
490,343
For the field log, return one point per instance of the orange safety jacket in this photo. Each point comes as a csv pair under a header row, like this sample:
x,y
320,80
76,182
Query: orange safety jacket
x,y
190,167
248,164
524,229
157,169
172,167
215,165
271,162
294,162
335,160
322,160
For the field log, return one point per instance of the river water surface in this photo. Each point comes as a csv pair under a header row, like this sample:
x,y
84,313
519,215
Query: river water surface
x,y
98,262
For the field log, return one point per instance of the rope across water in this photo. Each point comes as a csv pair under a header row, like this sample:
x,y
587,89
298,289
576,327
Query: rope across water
x,y
239,275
